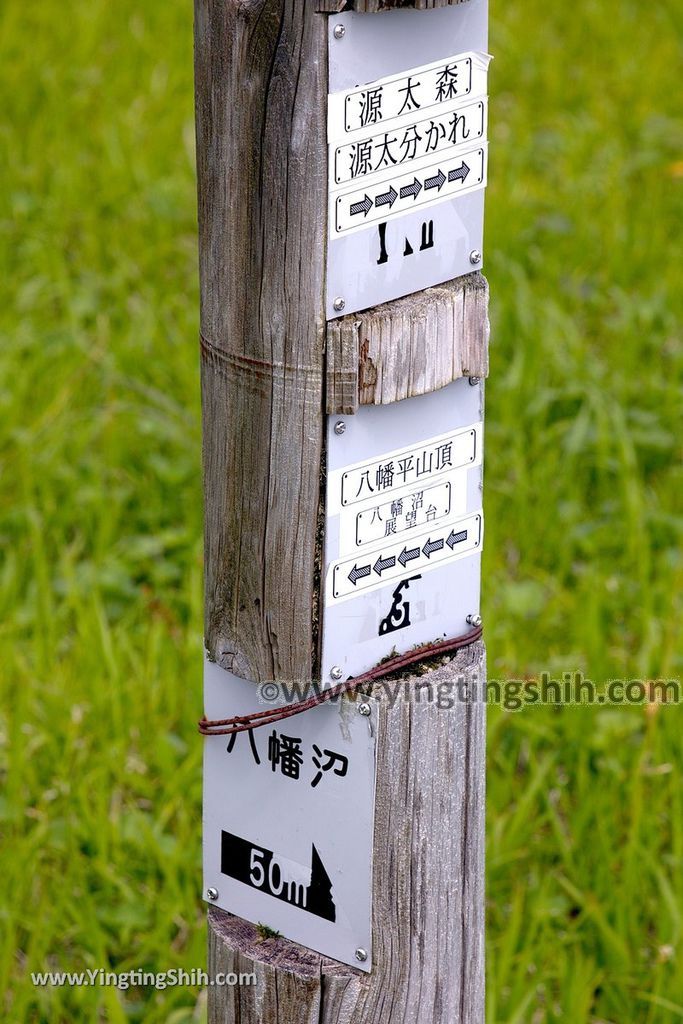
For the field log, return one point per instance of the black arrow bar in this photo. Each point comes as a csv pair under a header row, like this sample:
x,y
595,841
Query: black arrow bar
x,y
387,198
411,190
363,206
436,182
407,555
456,538
358,574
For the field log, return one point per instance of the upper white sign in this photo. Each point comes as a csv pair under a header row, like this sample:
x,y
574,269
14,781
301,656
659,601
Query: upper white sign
x,y
407,167
407,141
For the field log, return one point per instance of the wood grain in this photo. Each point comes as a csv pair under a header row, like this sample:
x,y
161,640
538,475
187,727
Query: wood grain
x,y
335,6
408,347
428,883
261,89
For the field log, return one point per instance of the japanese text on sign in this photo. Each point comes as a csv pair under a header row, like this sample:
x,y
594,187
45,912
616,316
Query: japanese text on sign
x,y
393,148
403,94
407,512
401,468
286,756
402,141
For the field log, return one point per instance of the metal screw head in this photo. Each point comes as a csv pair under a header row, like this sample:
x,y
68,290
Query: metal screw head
x,y
364,709
475,257
336,672
339,304
474,620
211,893
339,427
361,955
339,31
473,381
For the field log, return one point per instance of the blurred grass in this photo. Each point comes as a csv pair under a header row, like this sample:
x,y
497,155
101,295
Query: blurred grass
x,y
100,507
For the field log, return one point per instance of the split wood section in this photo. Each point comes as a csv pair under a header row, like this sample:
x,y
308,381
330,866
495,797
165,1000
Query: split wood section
x,y
408,347
428,882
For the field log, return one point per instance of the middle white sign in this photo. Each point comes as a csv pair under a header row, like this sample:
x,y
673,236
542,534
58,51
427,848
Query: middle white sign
x,y
403,527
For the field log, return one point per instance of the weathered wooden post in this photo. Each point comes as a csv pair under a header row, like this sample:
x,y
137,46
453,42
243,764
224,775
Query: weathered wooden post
x,y
344,341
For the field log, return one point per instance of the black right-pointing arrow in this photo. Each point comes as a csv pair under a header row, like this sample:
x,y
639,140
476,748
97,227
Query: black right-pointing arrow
x,y
407,555
387,198
456,538
411,190
364,206
436,182
358,574
432,545
459,173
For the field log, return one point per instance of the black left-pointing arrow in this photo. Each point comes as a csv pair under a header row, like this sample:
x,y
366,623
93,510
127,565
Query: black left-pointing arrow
x,y
411,190
363,206
456,538
384,563
407,555
358,574
432,545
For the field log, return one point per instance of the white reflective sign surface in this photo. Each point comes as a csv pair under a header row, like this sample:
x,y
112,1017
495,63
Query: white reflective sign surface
x,y
407,151
288,817
403,526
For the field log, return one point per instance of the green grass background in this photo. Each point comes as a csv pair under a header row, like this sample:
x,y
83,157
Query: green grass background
x,y
100,507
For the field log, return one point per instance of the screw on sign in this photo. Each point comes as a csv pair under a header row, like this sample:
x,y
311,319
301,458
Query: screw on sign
x,y
342,496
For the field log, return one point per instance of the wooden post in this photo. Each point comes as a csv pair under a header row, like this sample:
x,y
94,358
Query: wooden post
x,y
272,369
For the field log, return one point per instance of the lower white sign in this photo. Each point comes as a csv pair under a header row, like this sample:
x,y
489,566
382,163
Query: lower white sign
x,y
288,816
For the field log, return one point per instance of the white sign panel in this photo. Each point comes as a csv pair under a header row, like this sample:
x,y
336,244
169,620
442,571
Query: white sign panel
x,y
288,817
407,152
404,526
